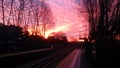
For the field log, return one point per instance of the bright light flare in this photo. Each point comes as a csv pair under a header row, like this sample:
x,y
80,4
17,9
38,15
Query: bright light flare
x,y
30,31
81,40
57,29
60,28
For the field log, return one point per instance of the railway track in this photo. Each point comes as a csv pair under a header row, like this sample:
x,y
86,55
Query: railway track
x,y
36,59
50,61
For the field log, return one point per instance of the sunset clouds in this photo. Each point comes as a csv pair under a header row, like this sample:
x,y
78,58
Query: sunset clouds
x,y
65,14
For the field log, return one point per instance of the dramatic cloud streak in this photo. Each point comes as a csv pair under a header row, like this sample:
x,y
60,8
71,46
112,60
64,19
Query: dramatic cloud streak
x,y
66,15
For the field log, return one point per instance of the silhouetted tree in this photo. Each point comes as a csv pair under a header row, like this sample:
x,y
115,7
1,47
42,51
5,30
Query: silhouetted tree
x,y
10,11
57,40
3,11
33,14
103,17
46,17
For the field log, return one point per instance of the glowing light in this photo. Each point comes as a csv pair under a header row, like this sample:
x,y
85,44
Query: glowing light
x,y
57,29
81,40
72,39
30,31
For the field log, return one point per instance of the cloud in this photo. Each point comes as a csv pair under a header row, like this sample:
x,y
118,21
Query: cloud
x,y
65,14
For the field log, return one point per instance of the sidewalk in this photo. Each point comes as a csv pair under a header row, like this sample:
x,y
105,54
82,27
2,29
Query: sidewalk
x,y
70,60
76,59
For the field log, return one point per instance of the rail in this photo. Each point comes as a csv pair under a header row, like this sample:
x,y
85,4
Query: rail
x,y
25,52
50,61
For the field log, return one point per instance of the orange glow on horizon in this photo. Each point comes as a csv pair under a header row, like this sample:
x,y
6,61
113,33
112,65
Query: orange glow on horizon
x,y
81,40
60,28
30,31
57,29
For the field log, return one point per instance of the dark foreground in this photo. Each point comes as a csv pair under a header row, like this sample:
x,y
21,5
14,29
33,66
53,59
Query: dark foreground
x,y
48,58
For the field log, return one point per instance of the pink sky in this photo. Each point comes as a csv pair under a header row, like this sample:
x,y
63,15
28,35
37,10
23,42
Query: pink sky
x,y
66,15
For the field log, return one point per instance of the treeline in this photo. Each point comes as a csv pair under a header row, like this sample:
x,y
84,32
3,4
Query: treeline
x,y
58,38
13,39
28,14
17,17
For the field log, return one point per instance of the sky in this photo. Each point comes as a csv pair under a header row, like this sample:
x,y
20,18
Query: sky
x,y
68,19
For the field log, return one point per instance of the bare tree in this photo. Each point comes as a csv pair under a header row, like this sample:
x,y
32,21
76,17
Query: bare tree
x,y
103,17
42,17
3,12
27,14
11,11
20,12
47,17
